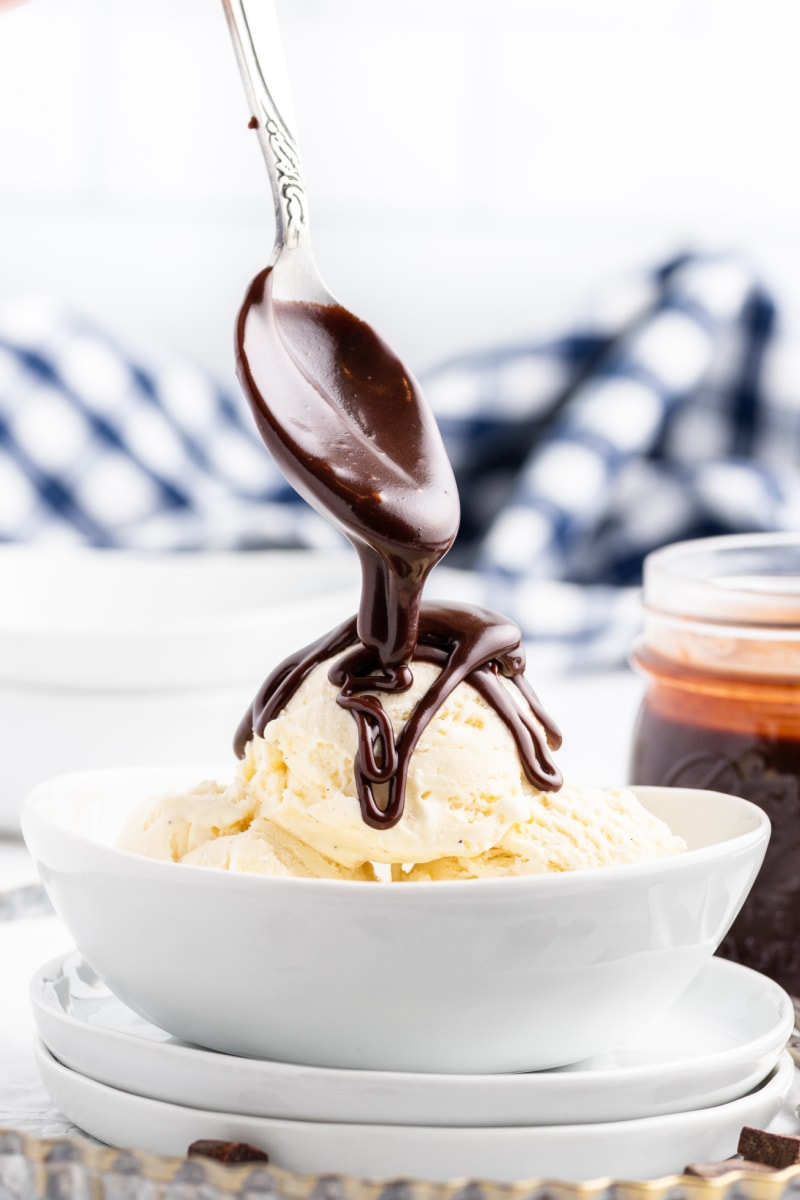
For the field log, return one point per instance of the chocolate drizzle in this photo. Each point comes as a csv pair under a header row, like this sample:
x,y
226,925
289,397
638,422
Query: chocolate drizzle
x,y
351,431
470,645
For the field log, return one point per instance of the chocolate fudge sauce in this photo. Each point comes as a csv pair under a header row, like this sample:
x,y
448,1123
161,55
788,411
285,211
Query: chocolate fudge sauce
x,y
469,644
349,428
351,431
702,729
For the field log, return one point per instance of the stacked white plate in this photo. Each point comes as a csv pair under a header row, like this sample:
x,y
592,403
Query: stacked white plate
x,y
679,1092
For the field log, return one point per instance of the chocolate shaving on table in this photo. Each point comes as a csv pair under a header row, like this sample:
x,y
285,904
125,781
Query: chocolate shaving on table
x,y
758,1151
228,1153
776,1150
716,1170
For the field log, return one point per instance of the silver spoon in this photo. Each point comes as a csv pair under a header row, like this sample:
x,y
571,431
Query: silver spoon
x,y
343,418
259,50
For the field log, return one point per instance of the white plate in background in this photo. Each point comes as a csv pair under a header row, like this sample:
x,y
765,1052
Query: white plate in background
x,y
110,657
79,618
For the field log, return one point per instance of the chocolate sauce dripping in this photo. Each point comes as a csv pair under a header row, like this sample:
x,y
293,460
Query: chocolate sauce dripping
x,y
470,645
350,430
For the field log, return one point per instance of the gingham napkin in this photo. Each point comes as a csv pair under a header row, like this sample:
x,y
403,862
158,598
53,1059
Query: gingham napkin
x,y
671,411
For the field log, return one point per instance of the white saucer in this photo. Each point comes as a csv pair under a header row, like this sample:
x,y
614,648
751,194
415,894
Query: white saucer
x,y
642,1149
721,1039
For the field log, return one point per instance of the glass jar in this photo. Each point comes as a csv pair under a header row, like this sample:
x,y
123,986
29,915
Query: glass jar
x,y
720,654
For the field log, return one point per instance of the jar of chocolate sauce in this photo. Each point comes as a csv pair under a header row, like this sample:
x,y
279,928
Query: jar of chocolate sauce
x,y
720,655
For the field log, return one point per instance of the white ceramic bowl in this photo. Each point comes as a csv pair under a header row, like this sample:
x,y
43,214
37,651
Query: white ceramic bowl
x,y
112,656
456,976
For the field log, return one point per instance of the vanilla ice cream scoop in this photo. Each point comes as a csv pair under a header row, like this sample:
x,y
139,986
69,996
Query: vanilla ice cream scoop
x,y
468,804
470,811
174,826
217,826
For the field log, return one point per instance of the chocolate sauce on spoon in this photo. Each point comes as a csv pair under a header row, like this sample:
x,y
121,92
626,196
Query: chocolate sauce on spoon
x,y
349,428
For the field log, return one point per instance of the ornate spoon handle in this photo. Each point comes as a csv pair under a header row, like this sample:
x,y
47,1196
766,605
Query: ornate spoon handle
x,y
259,51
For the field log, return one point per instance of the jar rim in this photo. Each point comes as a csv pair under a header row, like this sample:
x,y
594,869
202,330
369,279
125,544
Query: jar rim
x,y
744,579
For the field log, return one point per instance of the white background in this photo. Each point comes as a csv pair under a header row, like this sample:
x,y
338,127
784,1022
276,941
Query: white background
x,y
476,168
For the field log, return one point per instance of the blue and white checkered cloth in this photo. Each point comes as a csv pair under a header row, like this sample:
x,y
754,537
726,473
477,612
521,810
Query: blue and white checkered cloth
x,y
671,411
